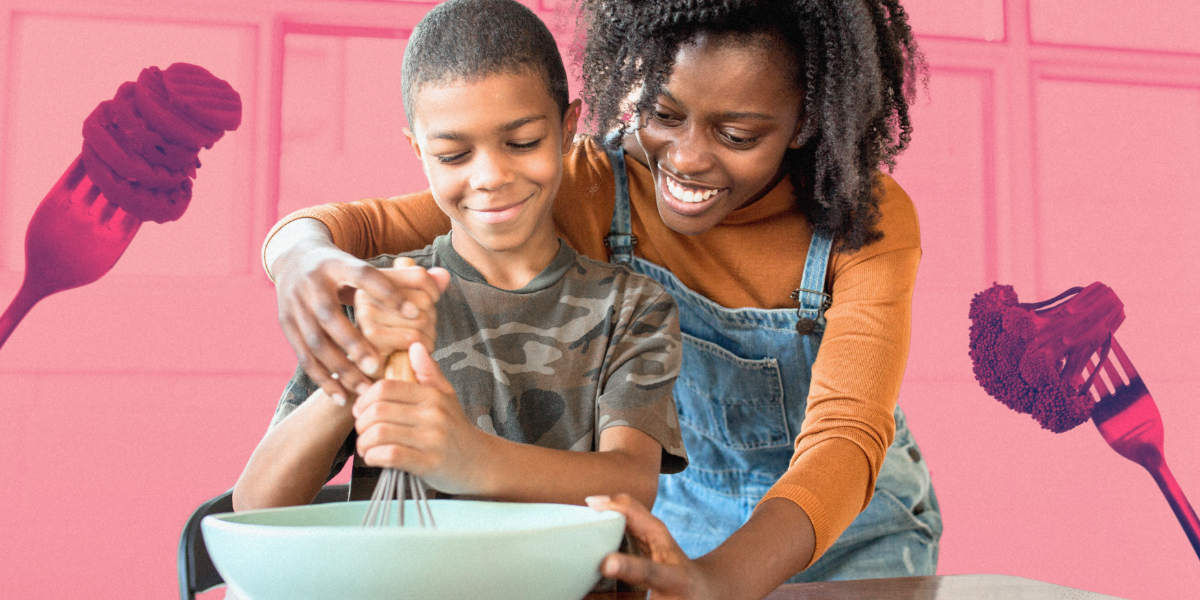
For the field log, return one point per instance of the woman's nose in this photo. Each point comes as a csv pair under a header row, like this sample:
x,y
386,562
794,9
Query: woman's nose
x,y
690,152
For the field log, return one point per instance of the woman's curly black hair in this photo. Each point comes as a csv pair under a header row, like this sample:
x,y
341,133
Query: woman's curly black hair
x,y
856,62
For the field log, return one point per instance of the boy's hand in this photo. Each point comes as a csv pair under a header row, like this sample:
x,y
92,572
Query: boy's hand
x,y
390,330
421,428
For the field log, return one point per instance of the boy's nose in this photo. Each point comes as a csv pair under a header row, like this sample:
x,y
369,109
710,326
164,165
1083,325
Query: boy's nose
x,y
492,171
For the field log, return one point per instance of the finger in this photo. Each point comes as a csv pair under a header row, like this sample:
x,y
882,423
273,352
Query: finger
x,y
417,307
642,525
310,344
441,276
427,370
389,331
394,456
384,412
328,351
397,280
383,434
669,580
389,391
389,340
322,377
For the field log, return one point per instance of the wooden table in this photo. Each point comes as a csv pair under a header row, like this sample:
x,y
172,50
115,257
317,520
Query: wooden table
x,y
948,587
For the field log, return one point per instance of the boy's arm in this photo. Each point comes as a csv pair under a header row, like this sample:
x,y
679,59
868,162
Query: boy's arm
x,y
421,428
626,461
299,453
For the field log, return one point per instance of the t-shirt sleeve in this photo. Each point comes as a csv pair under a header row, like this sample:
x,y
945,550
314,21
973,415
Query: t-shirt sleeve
x,y
856,378
297,392
374,226
643,364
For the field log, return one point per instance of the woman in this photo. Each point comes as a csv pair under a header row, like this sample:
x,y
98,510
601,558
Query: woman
x,y
748,185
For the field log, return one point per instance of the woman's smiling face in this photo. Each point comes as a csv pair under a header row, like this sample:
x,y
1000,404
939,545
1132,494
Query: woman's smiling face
x,y
716,136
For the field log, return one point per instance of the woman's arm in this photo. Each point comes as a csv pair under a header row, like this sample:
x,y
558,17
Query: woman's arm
x,y
841,447
315,257
293,460
772,546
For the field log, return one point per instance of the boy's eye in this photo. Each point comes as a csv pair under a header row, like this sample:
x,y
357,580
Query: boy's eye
x,y
526,145
450,158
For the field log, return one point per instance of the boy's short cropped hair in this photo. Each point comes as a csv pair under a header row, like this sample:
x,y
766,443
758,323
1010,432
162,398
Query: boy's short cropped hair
x,y
472,39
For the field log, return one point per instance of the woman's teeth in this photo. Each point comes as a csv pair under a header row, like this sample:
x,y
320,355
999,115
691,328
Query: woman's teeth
x,y
687,195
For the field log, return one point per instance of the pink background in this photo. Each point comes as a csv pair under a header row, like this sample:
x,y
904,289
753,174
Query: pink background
x,y
1051,150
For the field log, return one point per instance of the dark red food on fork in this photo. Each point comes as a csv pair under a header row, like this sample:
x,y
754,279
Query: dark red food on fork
x,y
140,154
1031,357
142,147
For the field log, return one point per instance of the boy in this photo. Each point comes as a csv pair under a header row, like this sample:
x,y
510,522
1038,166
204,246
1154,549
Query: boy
x,y
544,352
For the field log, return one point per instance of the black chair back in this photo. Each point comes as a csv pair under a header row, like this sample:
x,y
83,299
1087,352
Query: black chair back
x,y
196,571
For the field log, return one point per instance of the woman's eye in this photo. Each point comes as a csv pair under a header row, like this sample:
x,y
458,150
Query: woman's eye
x,y
665,118
740,139
450,158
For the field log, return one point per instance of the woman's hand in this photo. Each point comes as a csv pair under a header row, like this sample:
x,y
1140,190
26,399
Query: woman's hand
x,y
661,566
421,428
313,279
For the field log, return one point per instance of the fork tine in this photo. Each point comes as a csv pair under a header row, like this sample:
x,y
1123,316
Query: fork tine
x,y
1114,377
1101,356
1126,364
89,195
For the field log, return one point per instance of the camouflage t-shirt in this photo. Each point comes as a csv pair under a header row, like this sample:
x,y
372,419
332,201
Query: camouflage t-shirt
x,y
584,346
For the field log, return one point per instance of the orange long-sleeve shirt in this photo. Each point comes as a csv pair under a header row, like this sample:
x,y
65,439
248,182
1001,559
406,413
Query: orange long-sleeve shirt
x,y
753,258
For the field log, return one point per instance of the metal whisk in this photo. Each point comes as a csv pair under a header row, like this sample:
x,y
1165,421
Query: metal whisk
x,y
391,486
392,482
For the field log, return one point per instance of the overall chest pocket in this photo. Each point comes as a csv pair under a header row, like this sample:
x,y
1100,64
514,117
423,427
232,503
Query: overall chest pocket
x,y
734,401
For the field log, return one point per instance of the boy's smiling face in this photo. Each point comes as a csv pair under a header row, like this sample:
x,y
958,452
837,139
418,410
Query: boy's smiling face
x,y
492,151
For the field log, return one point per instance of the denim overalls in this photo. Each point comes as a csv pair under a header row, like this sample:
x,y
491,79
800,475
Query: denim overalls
x,y
741,396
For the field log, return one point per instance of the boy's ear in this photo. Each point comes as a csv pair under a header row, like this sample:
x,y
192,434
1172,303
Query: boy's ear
x,y
570,125
412,141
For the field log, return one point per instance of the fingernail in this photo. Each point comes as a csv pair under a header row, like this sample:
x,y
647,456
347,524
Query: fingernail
x,y
338,399
362,388
410,310
593,500
609,568
369,365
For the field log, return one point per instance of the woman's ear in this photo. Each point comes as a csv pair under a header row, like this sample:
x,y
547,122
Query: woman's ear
x,y
570,125
798,136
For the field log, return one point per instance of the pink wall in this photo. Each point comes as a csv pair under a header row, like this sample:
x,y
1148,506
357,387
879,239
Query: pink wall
x,y
1048,153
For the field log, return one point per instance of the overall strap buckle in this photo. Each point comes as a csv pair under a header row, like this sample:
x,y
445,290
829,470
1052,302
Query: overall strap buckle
x,y
805,325
620,245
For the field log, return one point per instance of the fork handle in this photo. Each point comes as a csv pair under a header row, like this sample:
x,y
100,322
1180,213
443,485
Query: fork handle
x,y
17,309
1179,503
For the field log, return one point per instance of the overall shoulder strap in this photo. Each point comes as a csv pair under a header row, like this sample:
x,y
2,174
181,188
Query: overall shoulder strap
x,y
620,239
812,294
